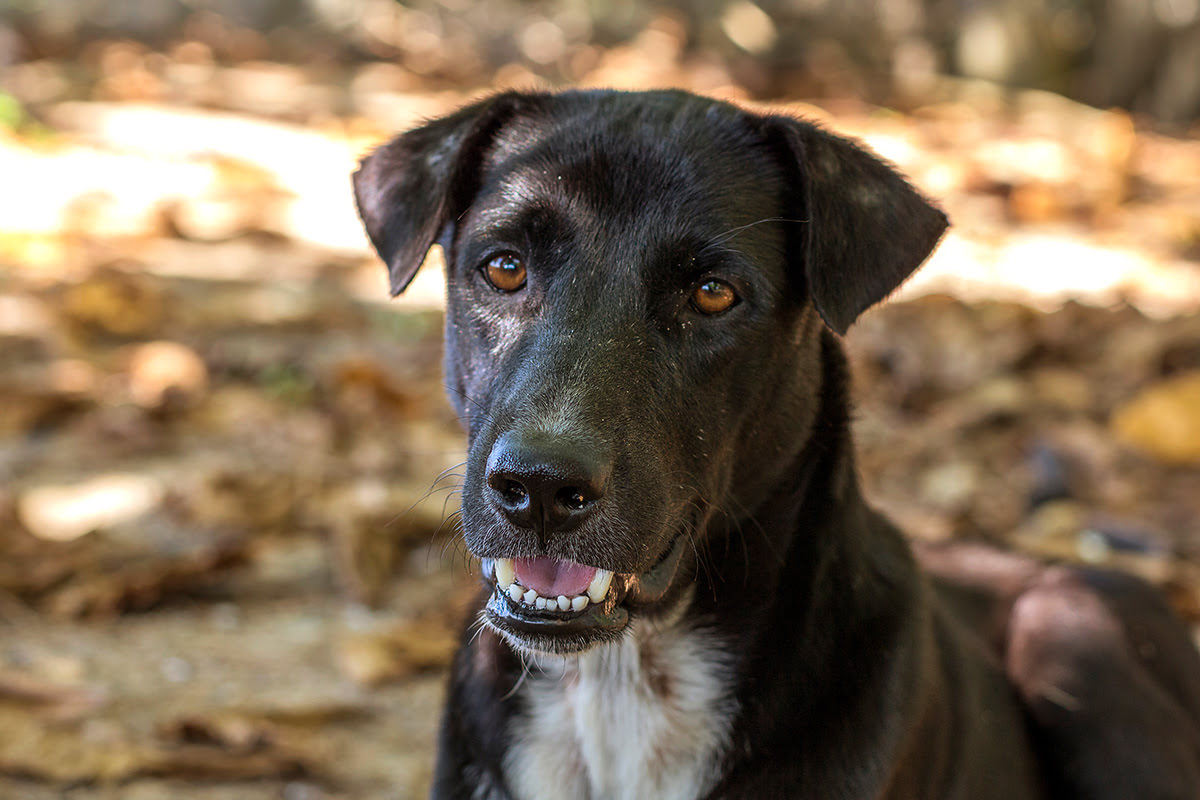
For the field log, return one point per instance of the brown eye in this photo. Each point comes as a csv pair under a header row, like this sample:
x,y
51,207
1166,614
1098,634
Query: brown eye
x,y
505,272
713,297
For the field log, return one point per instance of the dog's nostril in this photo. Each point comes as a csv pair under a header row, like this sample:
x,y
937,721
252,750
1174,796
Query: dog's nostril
x,y
514,492
572,499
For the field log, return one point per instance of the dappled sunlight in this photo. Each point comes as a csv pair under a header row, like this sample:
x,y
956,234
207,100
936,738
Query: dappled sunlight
x,y
1015,200
65,512
1046,269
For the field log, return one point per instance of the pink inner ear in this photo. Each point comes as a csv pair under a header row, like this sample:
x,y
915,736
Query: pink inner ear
x,y
550,577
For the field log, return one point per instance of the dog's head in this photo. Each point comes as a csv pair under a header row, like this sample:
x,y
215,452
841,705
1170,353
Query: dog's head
x,y
636,285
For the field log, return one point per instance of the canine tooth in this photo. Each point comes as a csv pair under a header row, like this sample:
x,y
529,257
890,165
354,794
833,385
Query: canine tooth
x,y
540,603
564,602
506,574
515,591
598,588
579,603
530,597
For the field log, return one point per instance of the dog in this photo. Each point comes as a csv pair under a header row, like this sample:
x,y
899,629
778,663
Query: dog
x,y
685,594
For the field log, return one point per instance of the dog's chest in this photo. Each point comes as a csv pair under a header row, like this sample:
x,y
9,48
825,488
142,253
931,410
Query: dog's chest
x,y
647,717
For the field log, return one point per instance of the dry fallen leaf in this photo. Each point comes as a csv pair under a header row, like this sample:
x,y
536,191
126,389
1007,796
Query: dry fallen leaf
x,y
380,656
1163,420
56,700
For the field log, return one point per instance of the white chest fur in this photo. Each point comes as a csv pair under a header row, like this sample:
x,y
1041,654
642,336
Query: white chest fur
x,y
647,717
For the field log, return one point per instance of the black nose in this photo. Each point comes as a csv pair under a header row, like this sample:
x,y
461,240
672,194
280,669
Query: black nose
x,y
545,483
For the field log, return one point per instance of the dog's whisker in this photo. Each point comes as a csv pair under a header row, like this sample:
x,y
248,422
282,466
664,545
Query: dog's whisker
x,y
478,413
433,489
446,502
476,628
521,679
452,538
450,470
724,237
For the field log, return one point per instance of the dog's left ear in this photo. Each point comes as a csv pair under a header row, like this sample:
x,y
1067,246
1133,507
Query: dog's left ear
x,y
409,188
867,228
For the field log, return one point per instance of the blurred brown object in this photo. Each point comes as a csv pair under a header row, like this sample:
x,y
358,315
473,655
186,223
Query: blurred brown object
x,y
117,302
57,700
166,374
1163,420
391,650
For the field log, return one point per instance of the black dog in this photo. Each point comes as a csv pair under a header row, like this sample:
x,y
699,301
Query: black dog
x,y
687,596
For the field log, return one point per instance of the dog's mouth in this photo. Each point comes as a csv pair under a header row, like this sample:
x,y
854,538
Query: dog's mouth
x,y
559,606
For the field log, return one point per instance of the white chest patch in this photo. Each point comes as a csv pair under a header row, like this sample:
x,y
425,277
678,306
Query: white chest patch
x,y
647,717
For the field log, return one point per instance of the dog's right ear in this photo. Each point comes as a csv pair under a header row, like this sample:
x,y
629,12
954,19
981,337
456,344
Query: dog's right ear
x,y
409,188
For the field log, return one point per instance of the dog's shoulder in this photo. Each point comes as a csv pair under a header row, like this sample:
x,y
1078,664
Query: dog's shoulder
x,y
647,716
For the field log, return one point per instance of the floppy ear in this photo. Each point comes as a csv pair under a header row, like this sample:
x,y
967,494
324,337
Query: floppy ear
x,y
867,228
410,187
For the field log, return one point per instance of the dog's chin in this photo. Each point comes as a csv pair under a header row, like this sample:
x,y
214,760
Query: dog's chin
x,y
591,615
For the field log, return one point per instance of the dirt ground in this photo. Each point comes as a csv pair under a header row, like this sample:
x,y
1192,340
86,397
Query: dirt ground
x,y
228,564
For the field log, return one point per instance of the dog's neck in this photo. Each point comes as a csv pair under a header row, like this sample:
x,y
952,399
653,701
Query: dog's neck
x,y
798,530
818,581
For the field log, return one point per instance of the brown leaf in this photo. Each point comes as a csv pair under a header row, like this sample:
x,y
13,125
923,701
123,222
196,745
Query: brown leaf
x,y
395,653
55,699
1163,420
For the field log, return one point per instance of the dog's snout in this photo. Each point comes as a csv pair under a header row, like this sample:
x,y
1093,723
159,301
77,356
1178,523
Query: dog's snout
x,y
544,483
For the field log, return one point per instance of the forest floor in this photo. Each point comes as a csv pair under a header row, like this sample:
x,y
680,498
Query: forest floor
x,y
227,562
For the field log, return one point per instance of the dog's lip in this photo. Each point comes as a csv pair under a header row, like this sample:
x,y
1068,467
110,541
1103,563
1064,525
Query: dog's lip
x,y
627,592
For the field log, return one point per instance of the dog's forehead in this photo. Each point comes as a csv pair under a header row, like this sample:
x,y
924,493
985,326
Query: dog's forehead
x,y
625,157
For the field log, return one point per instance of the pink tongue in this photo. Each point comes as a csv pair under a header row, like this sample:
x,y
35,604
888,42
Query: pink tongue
x,y
550,577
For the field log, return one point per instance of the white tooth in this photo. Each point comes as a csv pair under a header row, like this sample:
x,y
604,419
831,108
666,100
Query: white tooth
x,y
598,588
540,603
530,597
579,603
564,602
514,592
506,574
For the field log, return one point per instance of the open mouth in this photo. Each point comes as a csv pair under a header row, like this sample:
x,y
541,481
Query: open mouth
x,y
561,606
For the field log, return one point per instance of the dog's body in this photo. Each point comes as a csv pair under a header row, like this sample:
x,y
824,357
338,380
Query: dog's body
x,y
687,595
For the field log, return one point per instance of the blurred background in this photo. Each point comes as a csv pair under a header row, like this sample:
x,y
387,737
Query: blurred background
x,y
228,566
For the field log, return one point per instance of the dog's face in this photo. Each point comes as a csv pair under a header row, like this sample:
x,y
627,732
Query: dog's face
x,y
632,279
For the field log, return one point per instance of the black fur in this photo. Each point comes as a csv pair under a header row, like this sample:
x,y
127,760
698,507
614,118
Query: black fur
x,y
856,677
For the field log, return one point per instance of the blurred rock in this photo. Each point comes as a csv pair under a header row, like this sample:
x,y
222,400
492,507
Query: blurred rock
x,y
1163,420
166,374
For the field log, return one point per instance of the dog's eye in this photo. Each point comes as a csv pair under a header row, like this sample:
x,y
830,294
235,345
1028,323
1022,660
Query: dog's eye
x,y
505,272
713,297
